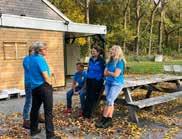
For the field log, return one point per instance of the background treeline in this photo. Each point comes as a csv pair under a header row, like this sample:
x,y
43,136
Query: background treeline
x,y
141,27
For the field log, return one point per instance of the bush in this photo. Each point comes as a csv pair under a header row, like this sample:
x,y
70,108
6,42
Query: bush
x,y
140,58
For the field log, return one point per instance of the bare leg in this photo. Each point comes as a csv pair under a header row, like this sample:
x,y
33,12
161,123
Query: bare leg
x,y
108,111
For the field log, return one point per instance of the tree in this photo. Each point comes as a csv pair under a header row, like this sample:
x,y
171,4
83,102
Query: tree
x,y
172,23
70,9
154,9
134,25
125,22
138,21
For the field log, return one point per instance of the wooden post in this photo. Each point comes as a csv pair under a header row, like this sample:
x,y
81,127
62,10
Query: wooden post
x,y
149,90
178,84
131,110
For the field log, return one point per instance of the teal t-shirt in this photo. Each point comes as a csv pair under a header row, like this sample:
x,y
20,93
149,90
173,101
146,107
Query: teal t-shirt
x,y
112,66
38,65
26,66
80,78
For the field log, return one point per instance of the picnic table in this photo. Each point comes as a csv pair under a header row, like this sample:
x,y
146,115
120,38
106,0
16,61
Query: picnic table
x,y
149,82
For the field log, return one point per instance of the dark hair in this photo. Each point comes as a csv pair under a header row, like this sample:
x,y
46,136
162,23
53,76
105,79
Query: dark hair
x,y
80,64
100,50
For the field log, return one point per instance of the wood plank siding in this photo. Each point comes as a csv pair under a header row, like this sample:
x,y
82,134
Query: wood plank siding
x,y
18,40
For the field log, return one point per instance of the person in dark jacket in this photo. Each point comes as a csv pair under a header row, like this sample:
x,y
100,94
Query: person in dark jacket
x,y
94,82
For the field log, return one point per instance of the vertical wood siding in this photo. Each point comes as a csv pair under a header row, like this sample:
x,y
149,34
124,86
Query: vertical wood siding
x,y
11,71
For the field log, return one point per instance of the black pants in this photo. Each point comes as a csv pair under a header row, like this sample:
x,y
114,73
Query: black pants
x,y
42,94
93,91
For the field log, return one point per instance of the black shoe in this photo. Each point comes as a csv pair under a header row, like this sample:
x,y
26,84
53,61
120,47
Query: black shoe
x,y
101,122
107,123
53,137
26,124
33,133
86,116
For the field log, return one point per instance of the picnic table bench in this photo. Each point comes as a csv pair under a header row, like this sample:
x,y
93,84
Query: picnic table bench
x,y
149,82
173,68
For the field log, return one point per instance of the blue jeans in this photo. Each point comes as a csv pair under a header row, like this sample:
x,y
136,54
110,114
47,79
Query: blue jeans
x,y
112,92
28,102
69,95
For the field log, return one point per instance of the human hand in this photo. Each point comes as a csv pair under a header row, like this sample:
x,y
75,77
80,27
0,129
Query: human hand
x,y
76,93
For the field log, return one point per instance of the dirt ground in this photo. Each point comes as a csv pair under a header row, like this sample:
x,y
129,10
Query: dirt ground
x,y
165,122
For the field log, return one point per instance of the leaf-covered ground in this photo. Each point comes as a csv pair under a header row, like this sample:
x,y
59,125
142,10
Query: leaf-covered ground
x,y
164,122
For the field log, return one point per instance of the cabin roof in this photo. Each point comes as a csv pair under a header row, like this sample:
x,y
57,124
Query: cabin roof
x,y
30,8
41,14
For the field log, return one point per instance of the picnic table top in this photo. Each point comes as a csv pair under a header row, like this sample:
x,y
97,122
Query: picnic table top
x,y
149,79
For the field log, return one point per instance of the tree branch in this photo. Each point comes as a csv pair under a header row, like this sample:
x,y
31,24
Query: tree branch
x,y
80,3
174,30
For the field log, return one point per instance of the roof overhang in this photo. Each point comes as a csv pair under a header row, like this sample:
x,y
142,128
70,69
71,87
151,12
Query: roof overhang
x,y
52,25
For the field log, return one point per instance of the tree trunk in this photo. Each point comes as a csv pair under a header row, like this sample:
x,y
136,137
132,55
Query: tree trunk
x,y
137,39
160,31
151,31
179,35
87,20
87,3
167,39
125,24
179,41
151,26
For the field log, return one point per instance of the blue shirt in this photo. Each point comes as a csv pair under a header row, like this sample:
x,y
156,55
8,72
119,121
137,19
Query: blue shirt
x,y
112,66
96,69
26,66
80,78
38,65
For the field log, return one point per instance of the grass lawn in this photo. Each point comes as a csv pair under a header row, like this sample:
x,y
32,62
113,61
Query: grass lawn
x,y
147,67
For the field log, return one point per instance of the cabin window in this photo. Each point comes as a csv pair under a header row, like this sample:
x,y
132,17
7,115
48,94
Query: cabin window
x,y
14,50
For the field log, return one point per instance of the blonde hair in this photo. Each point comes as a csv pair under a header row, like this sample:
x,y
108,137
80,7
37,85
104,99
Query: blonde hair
x,y
119,53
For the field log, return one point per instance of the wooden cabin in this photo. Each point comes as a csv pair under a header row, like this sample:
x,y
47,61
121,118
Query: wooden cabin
x,y
21,23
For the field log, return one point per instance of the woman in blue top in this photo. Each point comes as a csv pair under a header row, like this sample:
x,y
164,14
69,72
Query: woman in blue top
x,y
94,82
114,83
28,90
42,91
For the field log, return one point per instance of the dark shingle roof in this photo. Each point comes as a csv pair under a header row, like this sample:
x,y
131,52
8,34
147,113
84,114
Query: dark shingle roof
x,y
29,8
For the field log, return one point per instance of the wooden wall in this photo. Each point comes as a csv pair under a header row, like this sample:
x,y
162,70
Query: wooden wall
x,y
11,70
72,57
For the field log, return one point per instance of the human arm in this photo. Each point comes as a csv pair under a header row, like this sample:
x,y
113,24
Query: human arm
x,y
46,77
116,73
73,86
118,69
44,70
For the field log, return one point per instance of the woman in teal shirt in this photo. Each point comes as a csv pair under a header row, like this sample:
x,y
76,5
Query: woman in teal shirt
x,y
114,83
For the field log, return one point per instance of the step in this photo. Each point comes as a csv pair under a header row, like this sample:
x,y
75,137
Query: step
x,y
4,96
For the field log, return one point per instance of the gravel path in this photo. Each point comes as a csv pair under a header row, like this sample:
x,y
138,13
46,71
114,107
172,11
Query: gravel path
x,y
16,104
155,130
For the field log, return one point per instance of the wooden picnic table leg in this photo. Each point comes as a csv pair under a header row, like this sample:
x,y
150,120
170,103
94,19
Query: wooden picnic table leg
x,y
149,90
178,84
131,110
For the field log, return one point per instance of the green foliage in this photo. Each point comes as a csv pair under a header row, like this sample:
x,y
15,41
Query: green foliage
x,y
70,9
149,67
84,51
145,67
111,14
140,58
